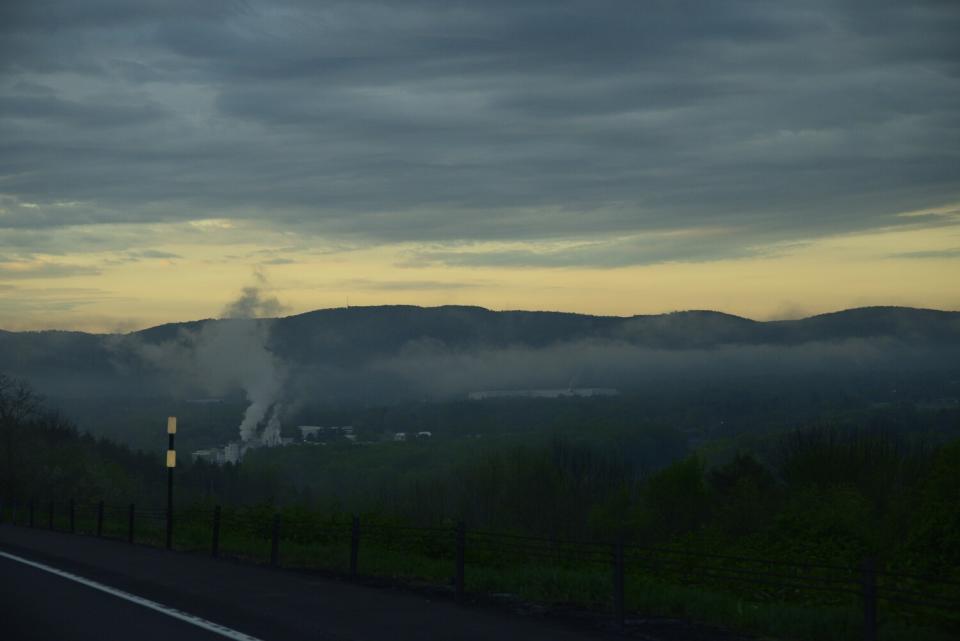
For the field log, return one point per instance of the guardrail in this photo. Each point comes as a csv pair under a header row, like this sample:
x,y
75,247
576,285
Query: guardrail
x,y
338,544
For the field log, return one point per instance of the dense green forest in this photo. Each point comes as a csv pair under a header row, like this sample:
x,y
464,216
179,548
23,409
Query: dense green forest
x,y
883,482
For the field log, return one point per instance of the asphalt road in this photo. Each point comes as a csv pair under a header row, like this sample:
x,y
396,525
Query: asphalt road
x,y
261,602
38,605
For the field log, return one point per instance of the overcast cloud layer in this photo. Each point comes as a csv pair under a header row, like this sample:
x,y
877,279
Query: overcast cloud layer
x,y
720,126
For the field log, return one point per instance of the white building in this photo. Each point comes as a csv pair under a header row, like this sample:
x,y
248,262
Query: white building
x,y
213,455
309,432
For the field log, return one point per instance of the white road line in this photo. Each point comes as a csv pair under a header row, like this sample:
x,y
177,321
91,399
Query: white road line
x,y
147,603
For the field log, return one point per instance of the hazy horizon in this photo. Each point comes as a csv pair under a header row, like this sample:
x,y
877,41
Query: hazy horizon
x,y
795,314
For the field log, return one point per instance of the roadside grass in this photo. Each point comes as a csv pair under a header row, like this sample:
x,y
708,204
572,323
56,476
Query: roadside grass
x,y
427,556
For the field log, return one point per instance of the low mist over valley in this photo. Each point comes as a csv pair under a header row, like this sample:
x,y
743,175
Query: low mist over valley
x,y
299,368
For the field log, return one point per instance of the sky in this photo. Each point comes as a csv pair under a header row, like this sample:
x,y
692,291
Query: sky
x,y
765,158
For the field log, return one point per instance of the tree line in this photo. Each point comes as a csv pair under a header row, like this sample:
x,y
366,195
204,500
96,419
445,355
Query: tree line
x,y
827,490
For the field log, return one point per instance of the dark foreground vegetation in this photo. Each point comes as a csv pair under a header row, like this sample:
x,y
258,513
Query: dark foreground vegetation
x,y
813,503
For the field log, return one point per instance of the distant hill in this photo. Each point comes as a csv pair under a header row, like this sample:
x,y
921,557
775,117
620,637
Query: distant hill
x,y
77,362
363,332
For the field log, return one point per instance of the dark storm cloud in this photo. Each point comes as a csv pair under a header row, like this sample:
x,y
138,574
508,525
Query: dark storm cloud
x,y
72,113
439,121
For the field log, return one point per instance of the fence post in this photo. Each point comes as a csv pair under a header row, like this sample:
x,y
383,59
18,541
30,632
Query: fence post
x,y
73,521
461,548
354,544
215,545
50,517
869,586
100,518
618,575
275,541
31,513
130,526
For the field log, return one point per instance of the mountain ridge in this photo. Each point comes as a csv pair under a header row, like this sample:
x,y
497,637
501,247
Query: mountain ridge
x,y
406,351
348,336
192,323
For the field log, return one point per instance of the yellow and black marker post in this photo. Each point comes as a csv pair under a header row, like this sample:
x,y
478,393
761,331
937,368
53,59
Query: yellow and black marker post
x,y
171,463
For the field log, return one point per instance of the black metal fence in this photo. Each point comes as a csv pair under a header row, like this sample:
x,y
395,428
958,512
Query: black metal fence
x,y
465,558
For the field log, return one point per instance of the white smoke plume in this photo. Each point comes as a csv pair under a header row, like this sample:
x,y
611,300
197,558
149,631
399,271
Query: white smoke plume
x,y
226,354
253,303
237,349
262,375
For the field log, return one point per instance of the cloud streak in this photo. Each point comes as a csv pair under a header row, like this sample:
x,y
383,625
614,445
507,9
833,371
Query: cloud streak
x,y
929,254
683,246
17,270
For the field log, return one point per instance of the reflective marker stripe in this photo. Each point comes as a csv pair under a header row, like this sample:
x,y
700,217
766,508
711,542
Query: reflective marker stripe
x,y
147,603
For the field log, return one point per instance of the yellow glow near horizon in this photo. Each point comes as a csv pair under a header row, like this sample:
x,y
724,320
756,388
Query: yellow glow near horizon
x,y
104,294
